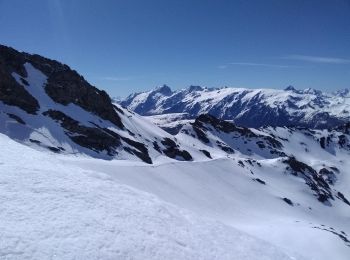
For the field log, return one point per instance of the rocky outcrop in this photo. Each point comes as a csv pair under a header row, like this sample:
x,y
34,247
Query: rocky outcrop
x,y
173,150
316,181
96,138
11,92
64,85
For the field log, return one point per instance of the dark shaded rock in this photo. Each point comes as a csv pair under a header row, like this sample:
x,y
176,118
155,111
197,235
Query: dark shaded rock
x,y
11,92
240,163
261,144
173,151
314,180
206,153
90,137
323,142
24,82
342,197
141,151
200,134
54,149
288,201
334,169
96,138
17,118
260,181
156,146
34,141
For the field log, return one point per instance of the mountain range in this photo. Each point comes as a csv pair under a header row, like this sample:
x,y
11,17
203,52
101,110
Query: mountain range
x,y
238,173
247,107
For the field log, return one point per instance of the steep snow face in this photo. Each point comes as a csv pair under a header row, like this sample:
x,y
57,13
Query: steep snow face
x,y
248,107
51,209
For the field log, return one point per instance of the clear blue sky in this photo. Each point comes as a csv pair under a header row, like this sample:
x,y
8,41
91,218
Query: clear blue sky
x,y
126,46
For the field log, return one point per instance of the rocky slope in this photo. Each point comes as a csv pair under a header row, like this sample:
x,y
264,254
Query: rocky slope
x,y
248,107
312,155
45,104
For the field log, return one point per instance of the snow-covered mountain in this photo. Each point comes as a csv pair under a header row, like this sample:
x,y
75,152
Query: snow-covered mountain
x,y
247,107
45,104
83,178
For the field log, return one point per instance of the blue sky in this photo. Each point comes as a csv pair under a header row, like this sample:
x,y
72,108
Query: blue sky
x,y
127,46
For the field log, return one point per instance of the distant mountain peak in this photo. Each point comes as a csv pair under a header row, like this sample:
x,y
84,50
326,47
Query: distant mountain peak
x,y
290,88
163,89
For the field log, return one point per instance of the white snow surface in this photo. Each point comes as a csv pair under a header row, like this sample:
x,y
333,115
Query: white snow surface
x,y
51,209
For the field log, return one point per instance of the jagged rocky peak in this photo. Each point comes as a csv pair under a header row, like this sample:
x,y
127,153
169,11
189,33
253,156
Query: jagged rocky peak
x,y
164,89
290,88
63,85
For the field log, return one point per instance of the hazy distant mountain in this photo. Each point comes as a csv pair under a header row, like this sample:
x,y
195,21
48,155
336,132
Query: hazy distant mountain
x,y
248,107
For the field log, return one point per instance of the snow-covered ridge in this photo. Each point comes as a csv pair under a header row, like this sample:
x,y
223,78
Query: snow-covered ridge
x,y
248,107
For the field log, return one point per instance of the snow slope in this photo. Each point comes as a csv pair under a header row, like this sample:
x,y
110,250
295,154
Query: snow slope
x,y
50,209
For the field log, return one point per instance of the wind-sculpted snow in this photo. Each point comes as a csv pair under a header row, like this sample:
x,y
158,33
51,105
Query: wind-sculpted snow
x,y
247,107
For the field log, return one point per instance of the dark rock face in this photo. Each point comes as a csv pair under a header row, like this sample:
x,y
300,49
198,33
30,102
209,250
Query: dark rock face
x,y
260,181
12,93
17,118
172,150
89,137
96,138
206,153
316,181
67,86
342,197
288,201
64,85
